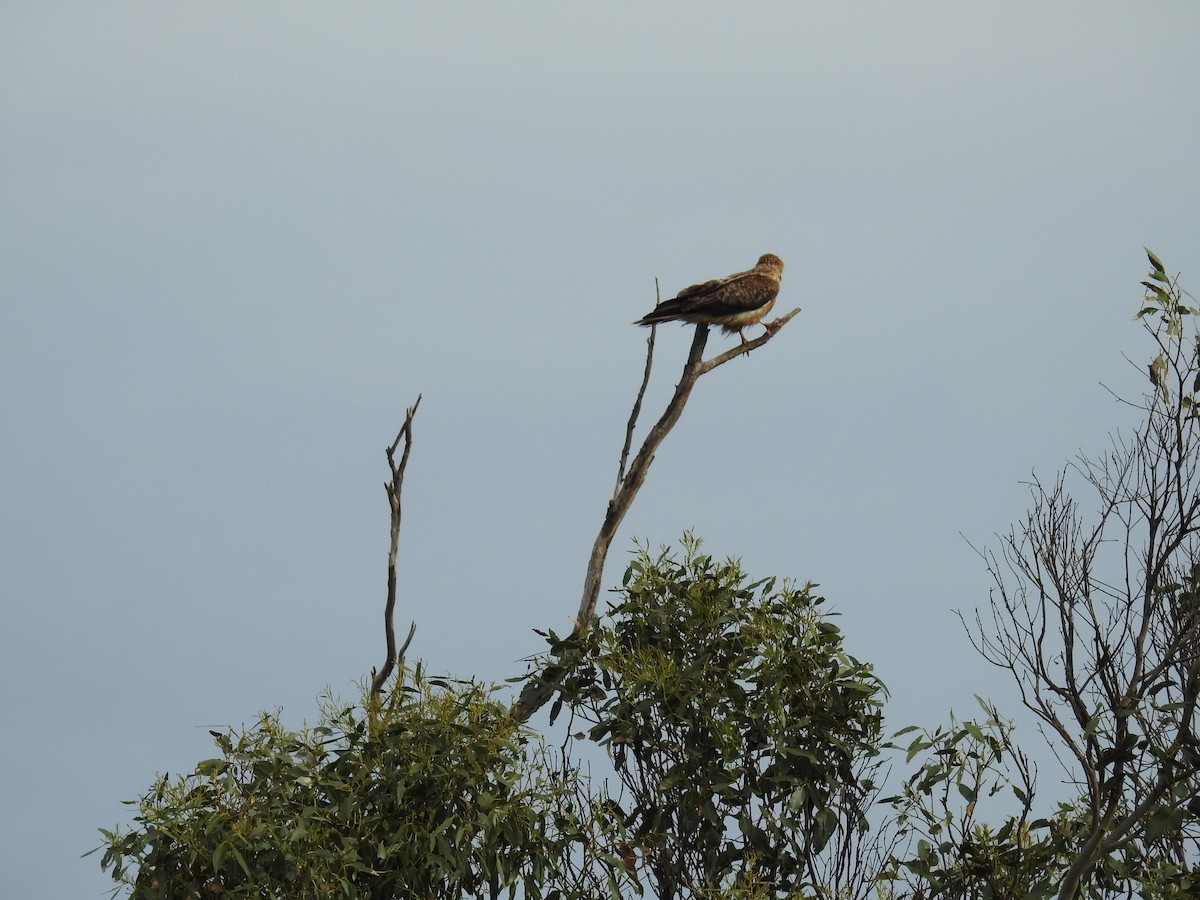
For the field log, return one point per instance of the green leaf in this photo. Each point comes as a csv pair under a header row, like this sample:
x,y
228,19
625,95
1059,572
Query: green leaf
x,y
797,800
211,767
1154,261
1163,820
241,861
916,747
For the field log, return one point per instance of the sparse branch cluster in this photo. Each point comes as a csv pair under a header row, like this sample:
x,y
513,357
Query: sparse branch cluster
x,y
1094,614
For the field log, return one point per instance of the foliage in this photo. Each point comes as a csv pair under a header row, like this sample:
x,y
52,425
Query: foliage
x,y
737,725
428,794
955,853
741,732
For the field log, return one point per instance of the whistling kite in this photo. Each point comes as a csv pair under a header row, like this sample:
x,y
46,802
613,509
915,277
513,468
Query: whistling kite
x,y
733,302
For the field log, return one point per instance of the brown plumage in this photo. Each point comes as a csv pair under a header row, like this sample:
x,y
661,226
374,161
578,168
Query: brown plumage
x,y
733,302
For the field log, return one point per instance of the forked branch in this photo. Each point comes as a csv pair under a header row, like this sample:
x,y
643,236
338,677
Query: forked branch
x,y
393,488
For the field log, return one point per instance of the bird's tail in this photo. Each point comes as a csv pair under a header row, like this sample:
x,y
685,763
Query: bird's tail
x,y
658,316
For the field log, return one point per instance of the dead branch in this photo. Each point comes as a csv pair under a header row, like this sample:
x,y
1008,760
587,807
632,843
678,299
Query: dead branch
x,y
393,488
539,690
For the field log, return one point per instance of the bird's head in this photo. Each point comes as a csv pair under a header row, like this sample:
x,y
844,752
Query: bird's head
x,y
772,262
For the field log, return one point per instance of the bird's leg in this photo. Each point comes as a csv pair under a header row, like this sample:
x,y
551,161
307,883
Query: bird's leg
x,y
771,327
742,335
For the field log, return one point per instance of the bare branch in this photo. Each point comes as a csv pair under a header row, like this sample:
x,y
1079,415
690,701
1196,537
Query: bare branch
x,y
393,488
539,691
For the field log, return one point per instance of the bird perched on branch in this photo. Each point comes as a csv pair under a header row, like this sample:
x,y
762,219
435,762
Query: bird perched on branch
x,y
733,302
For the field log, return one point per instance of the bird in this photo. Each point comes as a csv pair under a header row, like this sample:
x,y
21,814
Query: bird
x,y
733,302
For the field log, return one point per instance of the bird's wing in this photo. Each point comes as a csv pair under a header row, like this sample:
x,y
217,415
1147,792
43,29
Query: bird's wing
x,y
740,293
705,288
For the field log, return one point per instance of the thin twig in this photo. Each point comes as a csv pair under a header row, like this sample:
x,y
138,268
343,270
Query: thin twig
x,y
393,488
637,404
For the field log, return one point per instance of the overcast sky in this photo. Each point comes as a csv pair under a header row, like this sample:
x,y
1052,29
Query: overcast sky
x,y
237,240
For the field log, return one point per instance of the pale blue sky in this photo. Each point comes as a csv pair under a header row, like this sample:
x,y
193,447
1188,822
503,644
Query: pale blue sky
x,y
236,240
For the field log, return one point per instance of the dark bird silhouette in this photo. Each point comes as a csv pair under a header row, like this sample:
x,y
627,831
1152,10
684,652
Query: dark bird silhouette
x,y
733,302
